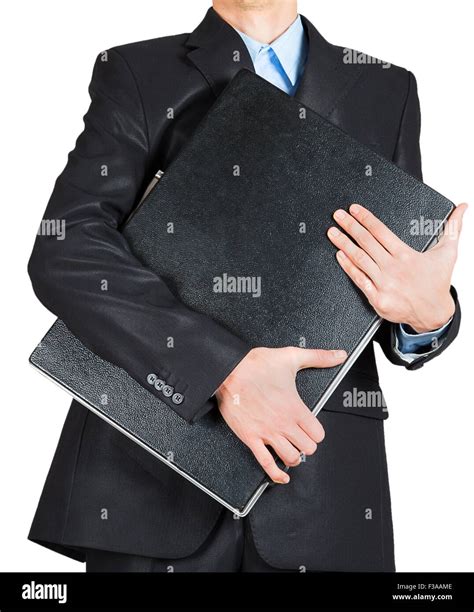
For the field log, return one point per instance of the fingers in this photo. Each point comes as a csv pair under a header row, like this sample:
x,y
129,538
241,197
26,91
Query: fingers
x,y
300,440
358,256
290,455
312,427
359,278
302,437
379,230
453,227
362,236
317,358
265,459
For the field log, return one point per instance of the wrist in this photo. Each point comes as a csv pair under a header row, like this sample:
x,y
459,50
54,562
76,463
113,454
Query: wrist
x,y
436,318
229,384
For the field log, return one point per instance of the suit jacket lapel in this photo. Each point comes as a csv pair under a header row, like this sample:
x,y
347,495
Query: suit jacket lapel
x,y
218,52
326,78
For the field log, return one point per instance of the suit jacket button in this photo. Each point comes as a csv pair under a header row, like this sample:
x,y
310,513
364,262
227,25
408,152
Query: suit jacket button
x,y
177,398
168,391
151,379
159,384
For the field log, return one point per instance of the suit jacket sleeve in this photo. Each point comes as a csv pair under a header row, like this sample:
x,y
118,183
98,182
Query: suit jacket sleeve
x,y
91,280
407,155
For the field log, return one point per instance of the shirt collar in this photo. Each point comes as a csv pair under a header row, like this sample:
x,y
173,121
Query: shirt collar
x,y
289,48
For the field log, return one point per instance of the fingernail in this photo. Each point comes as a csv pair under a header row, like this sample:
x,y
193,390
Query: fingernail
x,y
340,354
339,214
333,232
355,209
285,479
340,254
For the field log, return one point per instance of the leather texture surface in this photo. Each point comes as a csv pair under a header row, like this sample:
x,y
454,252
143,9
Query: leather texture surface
x,y
260,180
208,451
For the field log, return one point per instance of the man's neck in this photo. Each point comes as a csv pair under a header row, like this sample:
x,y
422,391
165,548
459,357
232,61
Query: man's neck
x,y
262,20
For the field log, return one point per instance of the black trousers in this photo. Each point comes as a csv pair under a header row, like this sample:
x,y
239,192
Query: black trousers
x,y
229,548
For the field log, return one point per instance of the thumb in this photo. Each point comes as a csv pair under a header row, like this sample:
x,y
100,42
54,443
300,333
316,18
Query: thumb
x,y
453,226
318,358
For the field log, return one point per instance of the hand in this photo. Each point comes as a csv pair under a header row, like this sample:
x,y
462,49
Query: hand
x,y
260,403
401,284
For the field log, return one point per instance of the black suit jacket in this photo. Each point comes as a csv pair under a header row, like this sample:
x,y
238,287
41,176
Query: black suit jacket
x,y
146,99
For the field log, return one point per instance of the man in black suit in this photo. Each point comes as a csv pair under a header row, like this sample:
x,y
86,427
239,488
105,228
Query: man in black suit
x,y
106,500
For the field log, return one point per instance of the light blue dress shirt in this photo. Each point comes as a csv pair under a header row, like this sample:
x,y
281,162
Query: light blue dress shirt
x,y
282,63
411,346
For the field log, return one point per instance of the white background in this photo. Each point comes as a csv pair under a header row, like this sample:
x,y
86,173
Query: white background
x,y
48,50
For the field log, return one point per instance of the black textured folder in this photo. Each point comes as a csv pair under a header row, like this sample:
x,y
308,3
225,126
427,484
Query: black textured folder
x,y
250,198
